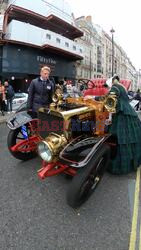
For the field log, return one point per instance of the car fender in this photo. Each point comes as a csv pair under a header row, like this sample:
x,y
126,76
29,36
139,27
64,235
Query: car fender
x,y
18,119
81,150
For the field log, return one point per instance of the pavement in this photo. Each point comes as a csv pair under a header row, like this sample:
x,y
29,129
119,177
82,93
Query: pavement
x,y
4,118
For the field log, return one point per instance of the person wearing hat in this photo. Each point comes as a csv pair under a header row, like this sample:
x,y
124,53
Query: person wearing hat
x,y
126,126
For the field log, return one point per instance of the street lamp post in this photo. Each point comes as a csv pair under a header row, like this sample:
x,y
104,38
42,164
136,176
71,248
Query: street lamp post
x,y
112,32
91,45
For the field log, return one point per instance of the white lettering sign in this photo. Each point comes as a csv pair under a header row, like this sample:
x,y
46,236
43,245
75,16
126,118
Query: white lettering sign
x,y
45,60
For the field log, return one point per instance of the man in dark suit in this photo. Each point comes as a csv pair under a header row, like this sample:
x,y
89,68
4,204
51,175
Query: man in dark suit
x,y
40,91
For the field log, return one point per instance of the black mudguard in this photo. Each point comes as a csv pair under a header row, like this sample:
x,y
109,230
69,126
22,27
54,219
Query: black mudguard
x,y
19,119
81,150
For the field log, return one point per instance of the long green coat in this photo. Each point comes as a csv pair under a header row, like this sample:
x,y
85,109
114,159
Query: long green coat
x,y
127,127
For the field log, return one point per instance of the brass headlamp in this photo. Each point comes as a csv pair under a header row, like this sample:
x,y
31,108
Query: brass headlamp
x,y
51,146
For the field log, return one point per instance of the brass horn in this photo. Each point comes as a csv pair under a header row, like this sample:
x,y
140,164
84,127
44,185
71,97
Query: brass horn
x,y
58,95
55,98
111,102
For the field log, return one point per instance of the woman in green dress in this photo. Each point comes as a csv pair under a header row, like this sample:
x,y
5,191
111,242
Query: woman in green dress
x,y
126,126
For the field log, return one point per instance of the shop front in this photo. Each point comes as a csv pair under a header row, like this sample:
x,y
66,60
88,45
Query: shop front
x,y
20,64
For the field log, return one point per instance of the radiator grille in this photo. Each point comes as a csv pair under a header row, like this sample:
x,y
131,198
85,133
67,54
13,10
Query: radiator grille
x,y
49,123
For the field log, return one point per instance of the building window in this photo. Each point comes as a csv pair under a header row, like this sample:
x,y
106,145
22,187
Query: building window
x,y
48,36
85,73
66,44
74,47
58,40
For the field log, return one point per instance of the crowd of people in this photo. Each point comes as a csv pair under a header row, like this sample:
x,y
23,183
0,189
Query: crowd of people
x,y
89,89
136,96
70,89
6,97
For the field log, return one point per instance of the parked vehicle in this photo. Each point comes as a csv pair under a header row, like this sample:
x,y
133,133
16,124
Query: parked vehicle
x,y
18,99
70,138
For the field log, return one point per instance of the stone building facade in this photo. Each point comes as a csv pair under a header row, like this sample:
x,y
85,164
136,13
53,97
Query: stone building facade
x,y
97,53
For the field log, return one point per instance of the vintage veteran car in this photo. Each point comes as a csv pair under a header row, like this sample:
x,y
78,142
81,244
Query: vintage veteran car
x,y
70,136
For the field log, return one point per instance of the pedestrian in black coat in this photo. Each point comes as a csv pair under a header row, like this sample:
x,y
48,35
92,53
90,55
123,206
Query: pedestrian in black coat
x,y
138,98
9,91
40,91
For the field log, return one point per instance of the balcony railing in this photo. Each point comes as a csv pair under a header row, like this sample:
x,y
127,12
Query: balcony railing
x,y
52,9
26,33
46,9
61,42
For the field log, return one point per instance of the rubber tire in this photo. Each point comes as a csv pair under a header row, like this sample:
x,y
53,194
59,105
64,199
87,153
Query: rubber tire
x,y
82,175
11,141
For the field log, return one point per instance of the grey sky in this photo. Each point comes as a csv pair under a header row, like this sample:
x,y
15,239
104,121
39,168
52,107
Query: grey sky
x,y
123,15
